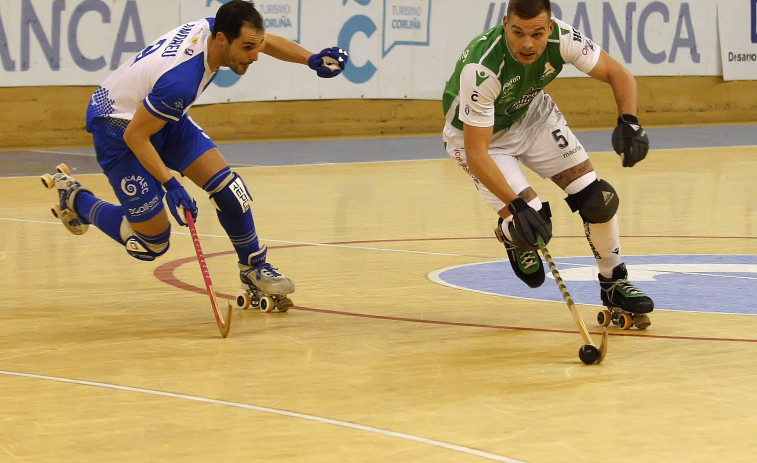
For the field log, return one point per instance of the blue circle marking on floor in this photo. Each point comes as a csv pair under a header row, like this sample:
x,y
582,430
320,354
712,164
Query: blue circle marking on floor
x,y
693,283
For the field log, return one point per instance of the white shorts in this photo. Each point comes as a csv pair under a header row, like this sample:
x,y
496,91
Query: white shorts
x,y
541,140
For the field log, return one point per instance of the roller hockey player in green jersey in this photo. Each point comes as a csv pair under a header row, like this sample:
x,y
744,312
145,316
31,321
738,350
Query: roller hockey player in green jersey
x,y
498,116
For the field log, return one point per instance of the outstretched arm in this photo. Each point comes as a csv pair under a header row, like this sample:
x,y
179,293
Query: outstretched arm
x,y
329,62
284,49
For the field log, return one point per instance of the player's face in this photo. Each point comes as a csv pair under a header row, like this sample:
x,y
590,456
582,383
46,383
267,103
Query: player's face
x,y
243,51
527,38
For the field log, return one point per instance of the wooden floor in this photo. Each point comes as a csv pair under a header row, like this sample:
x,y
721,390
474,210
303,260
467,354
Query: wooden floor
x,y
104,358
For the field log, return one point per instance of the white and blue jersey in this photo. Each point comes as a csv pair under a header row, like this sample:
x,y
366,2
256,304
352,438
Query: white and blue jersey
x,y
166,77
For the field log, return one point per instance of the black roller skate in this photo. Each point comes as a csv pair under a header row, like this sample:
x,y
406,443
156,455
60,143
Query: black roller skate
x,y
264,287
68,188
527,265
626,305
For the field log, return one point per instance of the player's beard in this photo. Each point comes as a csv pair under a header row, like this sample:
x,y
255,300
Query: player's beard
x,y
234,64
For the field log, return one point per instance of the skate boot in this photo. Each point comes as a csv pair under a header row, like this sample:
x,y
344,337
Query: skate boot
x,y
264,287
626,304
68,188
527,265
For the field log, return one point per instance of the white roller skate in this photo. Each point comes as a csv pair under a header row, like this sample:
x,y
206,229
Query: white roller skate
x,y
68,188
264,287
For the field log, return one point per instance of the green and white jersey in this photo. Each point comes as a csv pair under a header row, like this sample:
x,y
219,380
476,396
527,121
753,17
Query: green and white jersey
x,y
491,88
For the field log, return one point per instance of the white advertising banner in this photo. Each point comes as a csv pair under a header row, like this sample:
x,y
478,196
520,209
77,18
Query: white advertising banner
x,y
397,48
738,38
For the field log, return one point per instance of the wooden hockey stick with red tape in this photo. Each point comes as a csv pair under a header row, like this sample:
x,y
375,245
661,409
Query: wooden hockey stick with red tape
x,y
223,326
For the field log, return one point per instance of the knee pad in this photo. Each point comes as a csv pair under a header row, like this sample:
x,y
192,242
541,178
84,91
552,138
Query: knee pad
x,y
231,195
597,203
147,248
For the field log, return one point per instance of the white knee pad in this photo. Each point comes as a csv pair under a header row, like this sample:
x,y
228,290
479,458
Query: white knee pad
x,y
141,247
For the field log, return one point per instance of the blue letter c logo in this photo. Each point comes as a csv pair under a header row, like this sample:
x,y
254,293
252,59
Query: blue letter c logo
x,y
355,24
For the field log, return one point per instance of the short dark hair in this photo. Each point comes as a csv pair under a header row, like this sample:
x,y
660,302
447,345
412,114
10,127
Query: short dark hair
x,y
528,9
233,15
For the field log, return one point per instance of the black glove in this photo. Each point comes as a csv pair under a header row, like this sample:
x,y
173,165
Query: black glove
x,y
629,140
527,224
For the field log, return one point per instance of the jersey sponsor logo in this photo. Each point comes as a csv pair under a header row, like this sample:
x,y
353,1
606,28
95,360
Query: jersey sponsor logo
x,y
507,89
177,105
481,77
577,36
524,100
510,83
133,184
588,45
691,283
548,71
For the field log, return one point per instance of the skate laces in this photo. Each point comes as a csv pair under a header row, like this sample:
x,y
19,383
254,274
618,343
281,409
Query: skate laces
x,y
266,269
526,259
624,286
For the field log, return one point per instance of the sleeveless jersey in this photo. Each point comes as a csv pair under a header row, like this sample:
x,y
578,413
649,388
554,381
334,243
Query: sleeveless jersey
x,y
491,88
166,77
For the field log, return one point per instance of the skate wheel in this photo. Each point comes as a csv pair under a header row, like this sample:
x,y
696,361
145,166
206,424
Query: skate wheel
x,y
63,169
243,301
48,181
604,317
625,322
266,304
642,322
56,210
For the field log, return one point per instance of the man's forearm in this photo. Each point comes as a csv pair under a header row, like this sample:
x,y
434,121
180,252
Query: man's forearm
x,y
285,50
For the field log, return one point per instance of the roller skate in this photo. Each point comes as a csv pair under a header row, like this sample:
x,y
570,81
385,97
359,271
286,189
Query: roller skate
x,y
68,188
264,287
527,265
626,305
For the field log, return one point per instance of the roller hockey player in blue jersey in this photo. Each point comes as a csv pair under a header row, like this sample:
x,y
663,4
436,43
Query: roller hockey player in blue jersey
x,y
498,117
140,127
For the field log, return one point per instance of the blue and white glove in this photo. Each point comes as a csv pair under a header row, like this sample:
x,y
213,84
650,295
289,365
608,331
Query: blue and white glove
x,y
330,62
178,200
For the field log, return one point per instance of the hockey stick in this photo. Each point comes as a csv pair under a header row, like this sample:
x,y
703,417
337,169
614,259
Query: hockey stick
x,y
588,353
223,327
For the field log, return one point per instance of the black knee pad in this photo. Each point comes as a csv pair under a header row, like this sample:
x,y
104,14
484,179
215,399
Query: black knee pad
x,y
597,203
232,198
